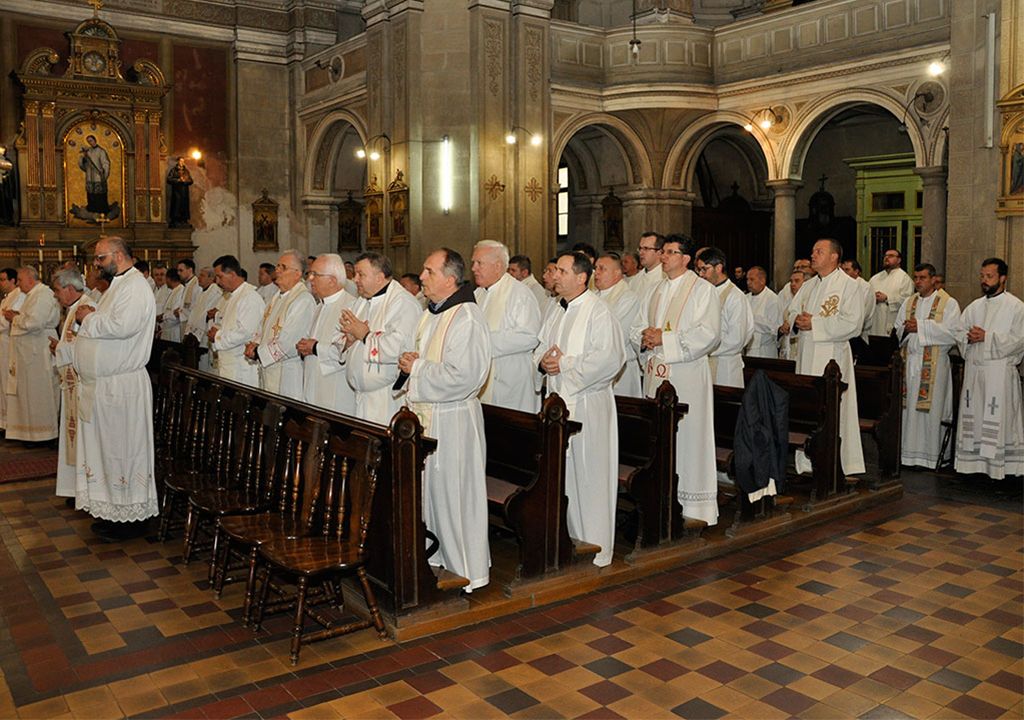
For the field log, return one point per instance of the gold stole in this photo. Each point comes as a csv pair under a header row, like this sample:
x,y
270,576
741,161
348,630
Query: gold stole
x,y
929,356
656,369
434,352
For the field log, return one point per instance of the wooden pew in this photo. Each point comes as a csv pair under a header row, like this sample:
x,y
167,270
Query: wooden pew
x,y
398,566
813,418
526,483
880,411
647,466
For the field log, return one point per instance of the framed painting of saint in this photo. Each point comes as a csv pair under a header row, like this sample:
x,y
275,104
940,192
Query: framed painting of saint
x,y
93,175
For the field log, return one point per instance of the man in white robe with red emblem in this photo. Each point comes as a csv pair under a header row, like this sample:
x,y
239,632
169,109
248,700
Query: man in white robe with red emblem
x,y
678,327
826,313
580,351
445,374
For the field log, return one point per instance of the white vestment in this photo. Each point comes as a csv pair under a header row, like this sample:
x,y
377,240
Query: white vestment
x,y
513,318
837,315
12,301
767,315
897,286
787,343
443,390
191,293
539,293
285,321
371,365
115,479
736,327
688,312
238,322
646,281
170,324
149,281
869,307
33,395
63,361
591,344
159,295
323,376
267,292
625,306
197,324
922,428
990,435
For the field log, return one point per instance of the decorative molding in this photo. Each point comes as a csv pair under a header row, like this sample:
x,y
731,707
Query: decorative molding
x,y
533,189
493,55
534,61
494,187
399,63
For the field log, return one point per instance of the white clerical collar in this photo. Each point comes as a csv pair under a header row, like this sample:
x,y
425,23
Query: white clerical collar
x,y
240,286
332,298
566,304
826,277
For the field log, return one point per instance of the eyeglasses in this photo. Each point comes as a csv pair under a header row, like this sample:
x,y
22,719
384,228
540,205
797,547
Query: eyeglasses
x,y
672,252
311,273
279,266
104,255
648,247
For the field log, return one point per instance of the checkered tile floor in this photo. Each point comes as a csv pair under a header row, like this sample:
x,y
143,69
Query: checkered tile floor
x,y
909,610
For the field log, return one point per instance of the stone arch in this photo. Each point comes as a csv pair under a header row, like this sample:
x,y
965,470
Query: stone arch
x,y
816,115
627,142
682,156
322,151
940,139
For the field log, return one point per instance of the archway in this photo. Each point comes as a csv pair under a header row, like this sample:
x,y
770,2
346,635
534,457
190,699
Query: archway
x,y
334,182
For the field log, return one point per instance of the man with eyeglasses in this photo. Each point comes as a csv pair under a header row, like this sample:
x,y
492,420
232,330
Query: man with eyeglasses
x,y
114,479
737,320
677,328
891,287
285,321
651,272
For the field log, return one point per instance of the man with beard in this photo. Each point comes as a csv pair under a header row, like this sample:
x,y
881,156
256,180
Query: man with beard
x,y
114,472
990,435
891,286
737,322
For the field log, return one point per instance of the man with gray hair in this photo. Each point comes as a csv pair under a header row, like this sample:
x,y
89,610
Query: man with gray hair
x,y
30,383
323,376
204,307
442,380
69,289
285,321
513,318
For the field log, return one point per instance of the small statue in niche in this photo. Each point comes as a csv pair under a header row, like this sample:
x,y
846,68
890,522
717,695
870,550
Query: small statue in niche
x,y
179,179
1017,170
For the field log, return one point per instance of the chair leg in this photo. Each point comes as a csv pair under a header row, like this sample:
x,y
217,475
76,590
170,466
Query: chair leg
x,y
214,551
371,603
300,618
250,585
220,570
191,533
165,516
262,603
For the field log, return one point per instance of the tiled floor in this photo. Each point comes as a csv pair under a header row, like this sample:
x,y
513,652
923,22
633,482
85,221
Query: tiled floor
x,y
912,609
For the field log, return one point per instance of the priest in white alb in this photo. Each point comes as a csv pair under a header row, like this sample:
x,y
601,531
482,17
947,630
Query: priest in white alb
x,y
766,313
513,318
203,310
115,480
611,286
285,321
374,335
69,289
445,373
890,286
580,351
12,300
323,376
33,394
990,435
677,328
168,317
826,313
651,272
926,328
520,267
235,324
852,268
736,326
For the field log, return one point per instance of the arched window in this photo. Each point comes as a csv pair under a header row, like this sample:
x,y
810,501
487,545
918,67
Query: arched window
x,y
563,202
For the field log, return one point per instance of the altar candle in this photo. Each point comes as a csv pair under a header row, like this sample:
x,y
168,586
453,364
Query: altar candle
x,y
145,254
74,250
40,254
158,253
60,255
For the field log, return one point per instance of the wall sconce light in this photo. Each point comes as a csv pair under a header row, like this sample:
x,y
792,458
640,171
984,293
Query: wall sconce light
x,y
197,155
927,97
511,138
936,68
447,174
333,67
634,43
764,119
373,154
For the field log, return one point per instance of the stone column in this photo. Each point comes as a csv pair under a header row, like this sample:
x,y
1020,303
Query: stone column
x,y
665,211
933,230
784,245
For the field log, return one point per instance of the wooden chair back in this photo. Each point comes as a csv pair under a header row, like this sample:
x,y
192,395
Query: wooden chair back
x,y
350,482
294,481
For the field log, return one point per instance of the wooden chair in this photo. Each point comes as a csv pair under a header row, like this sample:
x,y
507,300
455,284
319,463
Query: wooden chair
x,y
339,548
242,474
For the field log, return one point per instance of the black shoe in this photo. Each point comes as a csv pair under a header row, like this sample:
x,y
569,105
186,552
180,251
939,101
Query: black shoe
x,y
121,531
70,502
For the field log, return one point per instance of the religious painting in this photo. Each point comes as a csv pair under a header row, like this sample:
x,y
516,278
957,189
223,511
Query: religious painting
x,y
93,175
350,224
1011,196
374,198
398,209
611,215
264,224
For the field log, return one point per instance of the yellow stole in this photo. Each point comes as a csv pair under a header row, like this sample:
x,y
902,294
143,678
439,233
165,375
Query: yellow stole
x,y
657,369
434,352
930,357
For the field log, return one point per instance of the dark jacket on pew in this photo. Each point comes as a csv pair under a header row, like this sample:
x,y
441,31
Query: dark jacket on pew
x,y
761,442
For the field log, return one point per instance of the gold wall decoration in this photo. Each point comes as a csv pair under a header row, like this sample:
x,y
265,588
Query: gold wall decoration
x,y
1011,145
398,209
533,189
350,224
264,224
94,171
374,198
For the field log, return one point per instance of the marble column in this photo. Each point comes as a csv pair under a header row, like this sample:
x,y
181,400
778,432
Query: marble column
x,y
933,229
784,247
665,211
